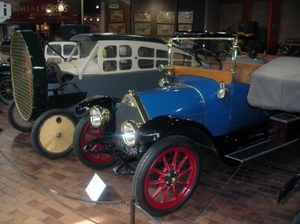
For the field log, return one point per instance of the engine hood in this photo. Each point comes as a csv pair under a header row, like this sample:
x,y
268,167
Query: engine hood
x,y
179,100
74,67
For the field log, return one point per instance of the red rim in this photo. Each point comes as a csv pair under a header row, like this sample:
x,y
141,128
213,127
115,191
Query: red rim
x,y
170,178
89,133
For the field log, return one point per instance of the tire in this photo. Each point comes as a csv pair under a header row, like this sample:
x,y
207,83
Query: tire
x,y
155,173
16,120
6,92
52,133
84,133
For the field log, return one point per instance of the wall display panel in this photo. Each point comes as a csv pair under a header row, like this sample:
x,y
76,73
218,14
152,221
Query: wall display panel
x,y
165,17
185,17
117,27
184,27
116,15
142,28
165,30
142,15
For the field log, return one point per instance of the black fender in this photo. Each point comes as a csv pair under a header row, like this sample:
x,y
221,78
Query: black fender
x,y
110,103
291,187
163,126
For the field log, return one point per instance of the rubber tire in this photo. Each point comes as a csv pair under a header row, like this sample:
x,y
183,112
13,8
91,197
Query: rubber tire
x,y
16,120
45,131
6,93
85,130
142,172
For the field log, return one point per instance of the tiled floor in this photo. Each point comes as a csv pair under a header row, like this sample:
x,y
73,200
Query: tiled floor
x,y
243,194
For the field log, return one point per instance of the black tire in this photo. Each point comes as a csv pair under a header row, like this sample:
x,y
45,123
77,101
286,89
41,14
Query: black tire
x,y
156,174
16,120
84,133
52,133
6,92
296,220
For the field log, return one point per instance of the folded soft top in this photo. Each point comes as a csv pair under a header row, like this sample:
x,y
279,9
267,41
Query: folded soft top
x,y
276,85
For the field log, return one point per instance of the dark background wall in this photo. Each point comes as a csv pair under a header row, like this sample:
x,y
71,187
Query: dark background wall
x,y
198,7
209,15
220,15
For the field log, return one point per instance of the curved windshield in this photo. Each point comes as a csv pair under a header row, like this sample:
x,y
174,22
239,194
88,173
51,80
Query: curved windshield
x,y
86,48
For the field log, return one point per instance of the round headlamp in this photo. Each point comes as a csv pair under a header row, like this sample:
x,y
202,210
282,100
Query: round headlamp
x,y
129,130
99,116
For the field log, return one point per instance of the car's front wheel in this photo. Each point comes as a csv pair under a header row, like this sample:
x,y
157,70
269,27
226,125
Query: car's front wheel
x,y
15,119
94,158
52,133
167,175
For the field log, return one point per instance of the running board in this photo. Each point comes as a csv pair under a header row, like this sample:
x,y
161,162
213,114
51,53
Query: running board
x,y
257,150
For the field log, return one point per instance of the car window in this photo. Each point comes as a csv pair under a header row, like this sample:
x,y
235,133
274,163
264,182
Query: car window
x,y
109,51
161,54
68,48
125,51
161,62
86,48
57,48
146,52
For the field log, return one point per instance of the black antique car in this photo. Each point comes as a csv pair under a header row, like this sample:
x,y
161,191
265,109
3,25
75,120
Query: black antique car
x,y
237,110
6,94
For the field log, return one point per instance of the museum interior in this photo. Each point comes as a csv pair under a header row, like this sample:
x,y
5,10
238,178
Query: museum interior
x,y
52,188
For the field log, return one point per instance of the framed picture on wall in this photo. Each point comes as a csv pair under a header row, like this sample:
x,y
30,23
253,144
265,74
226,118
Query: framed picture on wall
x,y
185,17
117,27
116,15
142,28
165,30
142,16
165,17
184,27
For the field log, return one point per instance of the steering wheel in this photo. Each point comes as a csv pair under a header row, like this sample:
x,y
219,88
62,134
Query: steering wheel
x,y
53,73
205,62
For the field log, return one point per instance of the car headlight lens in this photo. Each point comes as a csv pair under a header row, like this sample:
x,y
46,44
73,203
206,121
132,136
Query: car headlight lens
x,y
129,130
99,116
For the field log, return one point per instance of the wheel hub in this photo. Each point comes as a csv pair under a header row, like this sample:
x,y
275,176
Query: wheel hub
x,y
58,135
171,178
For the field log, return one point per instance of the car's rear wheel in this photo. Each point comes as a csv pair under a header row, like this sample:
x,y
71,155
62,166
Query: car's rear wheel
x,y
92,158
52,133
6,92
15,119
167,175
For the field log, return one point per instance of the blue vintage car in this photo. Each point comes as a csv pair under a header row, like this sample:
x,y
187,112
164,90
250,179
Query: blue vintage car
x,y
228,107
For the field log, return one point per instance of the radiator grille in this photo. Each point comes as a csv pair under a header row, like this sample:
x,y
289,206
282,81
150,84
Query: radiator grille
x,y
126,112
22,78
29,77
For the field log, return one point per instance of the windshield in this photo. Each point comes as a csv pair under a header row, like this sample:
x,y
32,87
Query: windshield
x,y
86,47
220,47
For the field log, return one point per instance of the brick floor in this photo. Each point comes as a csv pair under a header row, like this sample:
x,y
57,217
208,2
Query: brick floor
x,y
242,194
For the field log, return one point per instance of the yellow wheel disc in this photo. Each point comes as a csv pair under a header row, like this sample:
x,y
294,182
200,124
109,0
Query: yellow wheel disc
x,y
56,134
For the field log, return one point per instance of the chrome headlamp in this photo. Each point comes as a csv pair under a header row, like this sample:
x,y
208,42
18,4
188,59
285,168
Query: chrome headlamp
x,y
99,116
129,130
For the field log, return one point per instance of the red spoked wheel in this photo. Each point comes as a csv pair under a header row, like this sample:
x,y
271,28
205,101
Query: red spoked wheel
x,y
93,158
167,175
